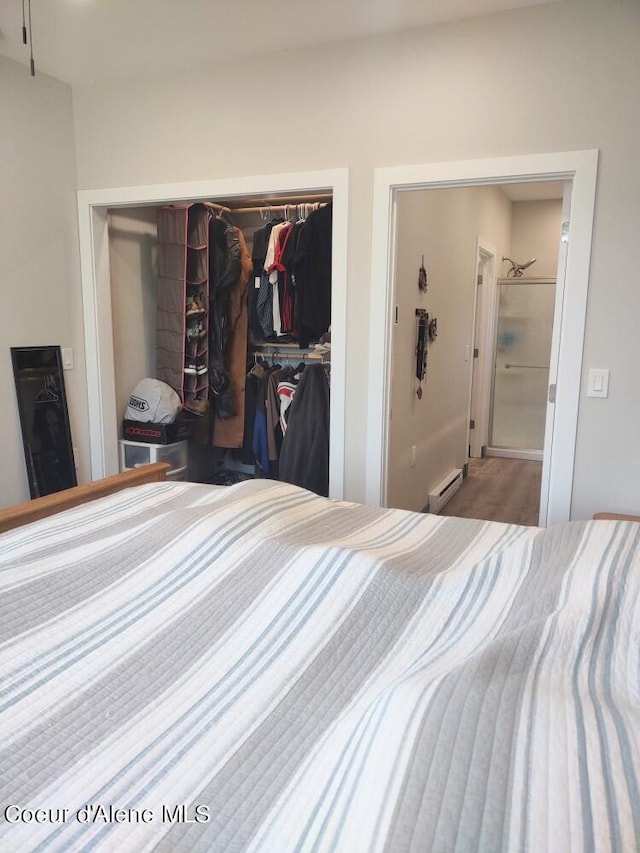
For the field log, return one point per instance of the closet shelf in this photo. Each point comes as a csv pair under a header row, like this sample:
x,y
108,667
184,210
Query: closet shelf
x,y
274,345
288,351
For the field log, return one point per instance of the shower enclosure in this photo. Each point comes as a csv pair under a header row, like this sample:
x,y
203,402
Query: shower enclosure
x,y
521,367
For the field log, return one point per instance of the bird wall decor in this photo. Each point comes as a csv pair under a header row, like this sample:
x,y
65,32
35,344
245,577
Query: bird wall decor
x,y
516,268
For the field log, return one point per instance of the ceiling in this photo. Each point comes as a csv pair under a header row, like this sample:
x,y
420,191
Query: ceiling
x,y
86,41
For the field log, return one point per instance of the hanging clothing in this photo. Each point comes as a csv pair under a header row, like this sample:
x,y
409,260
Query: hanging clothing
x,y
225,268
264,307
229,432
272,271
260,315
283,278
253,385
260,445
287,387
289,251
312,269
262,298
272,407
265,466
304,460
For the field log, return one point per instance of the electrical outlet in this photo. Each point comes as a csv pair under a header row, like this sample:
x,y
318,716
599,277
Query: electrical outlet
x,y
413,456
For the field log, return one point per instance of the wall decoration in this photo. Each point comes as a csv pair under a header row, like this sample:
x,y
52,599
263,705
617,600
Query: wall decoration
x,y
421,348
422,277
517,269
427,333
44,419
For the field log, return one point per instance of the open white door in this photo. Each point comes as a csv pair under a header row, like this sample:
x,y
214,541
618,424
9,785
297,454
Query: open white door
x,y
554,360
482,351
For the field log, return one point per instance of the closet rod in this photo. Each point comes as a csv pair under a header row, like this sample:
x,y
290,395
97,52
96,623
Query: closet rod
x,y
217,206
295,356
265,208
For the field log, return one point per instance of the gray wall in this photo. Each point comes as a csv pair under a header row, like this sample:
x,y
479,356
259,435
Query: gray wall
x,y
40,301
535,233
552,78
543,79
133,240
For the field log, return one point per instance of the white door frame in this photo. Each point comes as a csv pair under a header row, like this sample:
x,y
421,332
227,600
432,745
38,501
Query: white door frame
x,y
578,166
550,433
93,206
483,337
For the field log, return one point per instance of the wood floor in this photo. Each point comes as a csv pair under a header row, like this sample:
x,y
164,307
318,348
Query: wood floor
x,y
498,489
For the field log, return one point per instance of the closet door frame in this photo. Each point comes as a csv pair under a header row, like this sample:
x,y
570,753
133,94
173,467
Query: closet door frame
x,y
93,208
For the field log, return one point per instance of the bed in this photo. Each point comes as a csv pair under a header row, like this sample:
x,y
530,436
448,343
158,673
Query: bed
x,y
254,667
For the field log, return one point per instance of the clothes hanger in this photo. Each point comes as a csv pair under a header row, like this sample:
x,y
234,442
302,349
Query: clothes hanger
x,y
46,395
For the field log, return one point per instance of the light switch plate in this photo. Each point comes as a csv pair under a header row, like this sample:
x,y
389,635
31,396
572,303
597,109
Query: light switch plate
x,y
598,385
67,358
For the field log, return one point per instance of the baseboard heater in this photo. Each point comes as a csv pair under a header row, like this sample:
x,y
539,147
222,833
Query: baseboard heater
x,y
445,490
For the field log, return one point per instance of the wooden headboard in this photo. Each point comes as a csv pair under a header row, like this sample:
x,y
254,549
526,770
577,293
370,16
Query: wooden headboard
x,y
615,516
15,516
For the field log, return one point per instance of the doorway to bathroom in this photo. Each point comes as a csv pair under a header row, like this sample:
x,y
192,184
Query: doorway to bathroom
x,y
391,185
445,230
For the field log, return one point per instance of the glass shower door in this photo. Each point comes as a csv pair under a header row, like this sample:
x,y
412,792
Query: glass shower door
x,y
521,366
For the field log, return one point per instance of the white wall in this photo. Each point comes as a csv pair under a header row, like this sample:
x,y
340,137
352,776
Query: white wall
x,y
39,265
442,225
552,78
133,238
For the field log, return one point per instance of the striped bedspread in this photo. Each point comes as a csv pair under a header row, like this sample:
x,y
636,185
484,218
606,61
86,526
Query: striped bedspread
x,y
186,668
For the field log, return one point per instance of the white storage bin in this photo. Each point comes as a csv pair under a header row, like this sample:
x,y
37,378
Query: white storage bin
x,y
133,454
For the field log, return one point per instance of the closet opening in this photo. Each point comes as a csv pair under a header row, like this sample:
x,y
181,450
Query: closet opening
x,y
228,302
121,252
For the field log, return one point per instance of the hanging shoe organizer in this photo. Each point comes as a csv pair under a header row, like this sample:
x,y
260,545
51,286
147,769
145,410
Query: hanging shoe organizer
x,y
182,339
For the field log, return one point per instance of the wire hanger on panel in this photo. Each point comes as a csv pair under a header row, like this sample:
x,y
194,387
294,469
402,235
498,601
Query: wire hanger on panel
x,y
47,393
